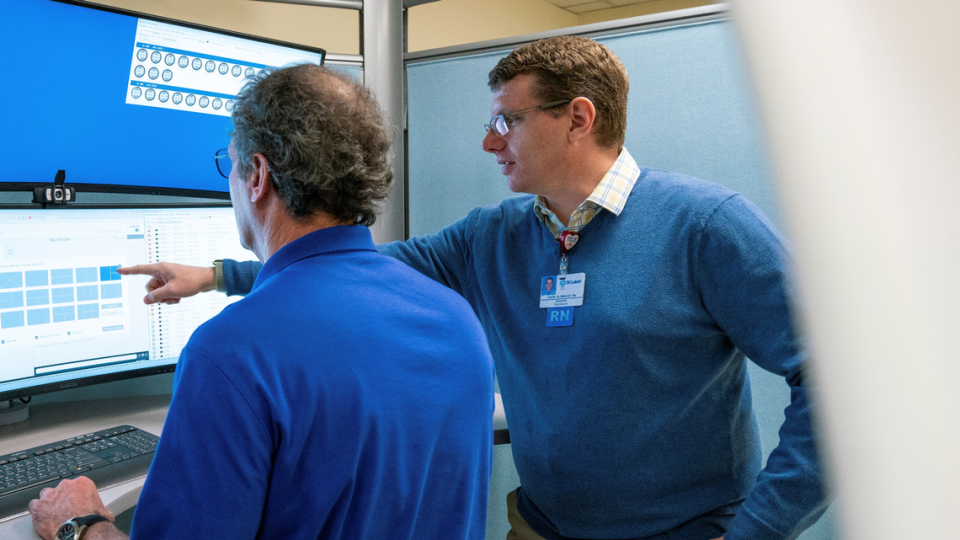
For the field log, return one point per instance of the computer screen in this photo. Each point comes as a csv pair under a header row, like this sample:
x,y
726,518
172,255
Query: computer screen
x,y
67,318
116,98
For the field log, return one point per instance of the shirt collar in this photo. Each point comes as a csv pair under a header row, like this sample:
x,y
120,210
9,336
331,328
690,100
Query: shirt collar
x,y
611,193
340,238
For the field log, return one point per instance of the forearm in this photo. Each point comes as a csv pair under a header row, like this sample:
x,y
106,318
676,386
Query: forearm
x,y
789,495
105,530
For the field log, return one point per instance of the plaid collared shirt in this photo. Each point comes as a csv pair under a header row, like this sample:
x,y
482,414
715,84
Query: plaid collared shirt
x,y
611,193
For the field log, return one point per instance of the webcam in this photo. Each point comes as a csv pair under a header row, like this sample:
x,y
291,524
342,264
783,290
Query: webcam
x,y
55,194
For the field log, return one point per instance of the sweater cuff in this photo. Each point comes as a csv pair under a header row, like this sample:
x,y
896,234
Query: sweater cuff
x,y
238,277
746,526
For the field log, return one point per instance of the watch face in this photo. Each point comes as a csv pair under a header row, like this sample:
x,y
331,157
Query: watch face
x,y
67,531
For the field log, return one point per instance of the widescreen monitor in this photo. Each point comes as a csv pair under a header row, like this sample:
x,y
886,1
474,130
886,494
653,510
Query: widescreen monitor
x,y
68,318
117,98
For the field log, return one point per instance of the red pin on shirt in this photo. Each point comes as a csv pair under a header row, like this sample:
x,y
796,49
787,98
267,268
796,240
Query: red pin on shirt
x,y
568,239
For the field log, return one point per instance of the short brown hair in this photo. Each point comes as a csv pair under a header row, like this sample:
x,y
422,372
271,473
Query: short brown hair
x,y
324,137
567,67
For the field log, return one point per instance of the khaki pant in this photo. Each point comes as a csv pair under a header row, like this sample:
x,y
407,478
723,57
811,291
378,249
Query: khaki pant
x,y
519,529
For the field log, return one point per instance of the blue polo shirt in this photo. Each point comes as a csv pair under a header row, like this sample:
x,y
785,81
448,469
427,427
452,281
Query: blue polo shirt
x,y
347,396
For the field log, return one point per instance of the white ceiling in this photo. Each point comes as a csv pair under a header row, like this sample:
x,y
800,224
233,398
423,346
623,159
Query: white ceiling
x,y
583,6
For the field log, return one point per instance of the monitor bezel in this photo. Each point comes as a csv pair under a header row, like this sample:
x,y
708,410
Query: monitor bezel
x,y
92,380
157,190
121,189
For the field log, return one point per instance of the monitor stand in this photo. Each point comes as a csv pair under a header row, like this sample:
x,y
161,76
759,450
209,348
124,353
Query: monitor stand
x,y
13,411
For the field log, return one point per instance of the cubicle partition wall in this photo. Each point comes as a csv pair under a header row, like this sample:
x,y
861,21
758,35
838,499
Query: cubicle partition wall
x,y
347,64
691,110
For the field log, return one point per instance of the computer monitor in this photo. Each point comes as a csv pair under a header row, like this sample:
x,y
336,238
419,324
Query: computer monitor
x,y
68,319
118,98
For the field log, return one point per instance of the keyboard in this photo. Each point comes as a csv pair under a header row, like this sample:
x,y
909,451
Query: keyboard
x,y
107,457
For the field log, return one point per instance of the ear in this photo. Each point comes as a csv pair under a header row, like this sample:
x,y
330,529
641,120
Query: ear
x,y
260,185
583,114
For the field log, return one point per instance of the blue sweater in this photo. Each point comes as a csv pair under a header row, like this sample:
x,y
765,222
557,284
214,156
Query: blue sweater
x,y
346,397
638,418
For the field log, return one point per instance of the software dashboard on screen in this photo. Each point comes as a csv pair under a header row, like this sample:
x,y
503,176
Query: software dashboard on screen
x,y
65,312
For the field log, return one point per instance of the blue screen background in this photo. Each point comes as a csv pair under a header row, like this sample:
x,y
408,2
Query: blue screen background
x,y
64,83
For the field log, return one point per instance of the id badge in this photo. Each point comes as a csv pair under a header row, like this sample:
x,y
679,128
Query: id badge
x,y
562,291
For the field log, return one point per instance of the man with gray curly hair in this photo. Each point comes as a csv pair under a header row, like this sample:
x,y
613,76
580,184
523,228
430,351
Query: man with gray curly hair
x,y
298,412
327,154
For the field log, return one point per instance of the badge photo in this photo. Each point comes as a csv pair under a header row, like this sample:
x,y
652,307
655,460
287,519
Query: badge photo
x,y
548,286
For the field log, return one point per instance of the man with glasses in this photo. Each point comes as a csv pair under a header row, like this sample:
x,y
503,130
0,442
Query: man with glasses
x,y
626,391
301,411
629,406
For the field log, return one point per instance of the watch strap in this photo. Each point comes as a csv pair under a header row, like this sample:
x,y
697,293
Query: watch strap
x,y
221,285
86,521
80,525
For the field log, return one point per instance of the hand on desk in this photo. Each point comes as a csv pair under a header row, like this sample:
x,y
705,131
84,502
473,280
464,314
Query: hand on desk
x,y
170,282
72,498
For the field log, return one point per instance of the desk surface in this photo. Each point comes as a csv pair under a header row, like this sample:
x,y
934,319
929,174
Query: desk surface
x,y
50,422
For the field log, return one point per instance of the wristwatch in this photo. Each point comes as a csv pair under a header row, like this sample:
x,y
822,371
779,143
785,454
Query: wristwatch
x,y
221,286
73,529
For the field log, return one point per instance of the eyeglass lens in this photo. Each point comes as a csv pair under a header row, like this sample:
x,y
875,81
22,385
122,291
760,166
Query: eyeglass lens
x,y
498,124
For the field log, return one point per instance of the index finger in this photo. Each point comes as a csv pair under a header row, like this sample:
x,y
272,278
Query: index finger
x,y
140,269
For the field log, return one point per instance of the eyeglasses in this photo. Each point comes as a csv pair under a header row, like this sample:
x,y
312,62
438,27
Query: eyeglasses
x,y
224,163
500,124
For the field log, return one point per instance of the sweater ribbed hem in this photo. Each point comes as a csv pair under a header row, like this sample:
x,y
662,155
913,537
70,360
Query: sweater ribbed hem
x,y
746,526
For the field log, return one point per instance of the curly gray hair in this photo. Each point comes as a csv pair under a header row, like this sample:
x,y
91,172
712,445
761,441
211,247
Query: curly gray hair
x,y
323,136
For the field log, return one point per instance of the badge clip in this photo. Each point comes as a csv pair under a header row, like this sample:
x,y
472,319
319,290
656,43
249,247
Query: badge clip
x,y
568,239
